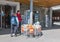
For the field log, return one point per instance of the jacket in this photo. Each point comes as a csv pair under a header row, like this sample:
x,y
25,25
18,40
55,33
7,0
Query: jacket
x,y
19,17
14,20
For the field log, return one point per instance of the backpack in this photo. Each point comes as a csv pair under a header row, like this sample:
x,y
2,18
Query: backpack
x,y
13,20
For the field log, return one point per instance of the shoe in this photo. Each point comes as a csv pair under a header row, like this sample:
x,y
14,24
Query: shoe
x,y
11,35
15,35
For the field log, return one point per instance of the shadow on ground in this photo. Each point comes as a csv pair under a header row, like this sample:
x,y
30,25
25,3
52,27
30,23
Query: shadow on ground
x,y
4,31
53,27
7,31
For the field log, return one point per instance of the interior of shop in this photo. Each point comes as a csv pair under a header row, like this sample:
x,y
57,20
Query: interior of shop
x,y
5,16
56,17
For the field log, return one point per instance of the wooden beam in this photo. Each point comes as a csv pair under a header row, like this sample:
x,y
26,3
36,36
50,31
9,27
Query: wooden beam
x,y
45,3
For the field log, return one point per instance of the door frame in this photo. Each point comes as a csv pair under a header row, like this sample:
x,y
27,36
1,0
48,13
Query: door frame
x,y
1,17
12,4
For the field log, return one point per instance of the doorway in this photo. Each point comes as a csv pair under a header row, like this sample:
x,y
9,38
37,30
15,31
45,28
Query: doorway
x,y
5,14
56,18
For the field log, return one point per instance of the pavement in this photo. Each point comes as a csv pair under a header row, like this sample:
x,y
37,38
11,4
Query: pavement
x,y
51,35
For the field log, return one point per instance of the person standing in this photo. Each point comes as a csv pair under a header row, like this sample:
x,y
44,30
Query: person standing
x,y
19,19
14,25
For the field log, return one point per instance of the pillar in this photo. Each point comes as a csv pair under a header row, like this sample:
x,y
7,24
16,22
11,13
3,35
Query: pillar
x,y
17,6
50,17
46,17
31,11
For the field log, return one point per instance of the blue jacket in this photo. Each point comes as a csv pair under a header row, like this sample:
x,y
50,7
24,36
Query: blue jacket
x,y
14,20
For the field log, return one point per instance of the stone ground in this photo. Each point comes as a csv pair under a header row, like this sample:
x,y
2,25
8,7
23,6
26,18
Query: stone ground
x,y
50,35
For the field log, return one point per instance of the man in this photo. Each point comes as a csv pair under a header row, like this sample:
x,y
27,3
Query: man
x,y
14,25
19,19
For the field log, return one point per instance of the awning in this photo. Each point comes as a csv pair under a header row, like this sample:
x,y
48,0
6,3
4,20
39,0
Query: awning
x,y
44,3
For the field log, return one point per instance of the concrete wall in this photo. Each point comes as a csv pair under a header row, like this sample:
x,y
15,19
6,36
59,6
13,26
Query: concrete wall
x,y
16,4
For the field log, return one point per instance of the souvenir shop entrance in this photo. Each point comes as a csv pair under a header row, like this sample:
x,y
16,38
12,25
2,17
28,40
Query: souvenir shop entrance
x,y
5,15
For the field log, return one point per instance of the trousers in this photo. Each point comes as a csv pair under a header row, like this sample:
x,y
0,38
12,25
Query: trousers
x,y
14,29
